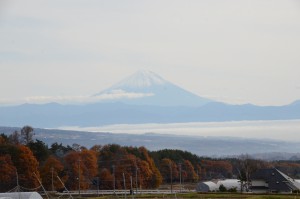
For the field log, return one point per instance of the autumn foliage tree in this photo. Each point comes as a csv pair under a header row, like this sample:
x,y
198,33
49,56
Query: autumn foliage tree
x,y
80,165
156,178
189,171
217,168
135,163
168,170
7,173
27,167
49,171
106,179
25,163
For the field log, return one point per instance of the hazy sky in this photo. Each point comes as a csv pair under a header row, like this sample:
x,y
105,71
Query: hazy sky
x,y
233,51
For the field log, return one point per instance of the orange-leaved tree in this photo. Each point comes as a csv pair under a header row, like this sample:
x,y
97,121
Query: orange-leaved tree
x,y
81,167
106,179
7,173
49,172
168,170
27,168
156,178
191,175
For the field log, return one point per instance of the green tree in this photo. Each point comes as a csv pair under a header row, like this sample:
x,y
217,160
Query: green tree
x,y
222,188
59,150
40,150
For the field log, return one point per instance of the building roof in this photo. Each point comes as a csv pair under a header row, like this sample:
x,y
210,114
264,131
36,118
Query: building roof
x,y
276,180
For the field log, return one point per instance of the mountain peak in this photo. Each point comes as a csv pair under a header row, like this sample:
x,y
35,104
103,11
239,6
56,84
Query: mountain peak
x,y
141,79
148,88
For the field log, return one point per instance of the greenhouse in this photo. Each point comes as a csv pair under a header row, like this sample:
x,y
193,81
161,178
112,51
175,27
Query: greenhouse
x,y
20,195
210,186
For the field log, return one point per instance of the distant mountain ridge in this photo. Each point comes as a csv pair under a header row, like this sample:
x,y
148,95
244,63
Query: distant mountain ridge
x,y
143,97
55,115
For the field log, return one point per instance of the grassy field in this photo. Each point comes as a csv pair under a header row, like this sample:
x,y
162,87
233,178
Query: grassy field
x,y
206,196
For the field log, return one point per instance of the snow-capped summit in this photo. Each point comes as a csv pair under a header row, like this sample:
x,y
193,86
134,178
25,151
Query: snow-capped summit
x,y
141,79
148,88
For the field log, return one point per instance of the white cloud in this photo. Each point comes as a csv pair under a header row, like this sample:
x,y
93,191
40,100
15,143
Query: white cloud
x,y
121,94
114,95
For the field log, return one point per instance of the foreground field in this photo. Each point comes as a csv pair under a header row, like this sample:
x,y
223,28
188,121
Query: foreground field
x,y
207,196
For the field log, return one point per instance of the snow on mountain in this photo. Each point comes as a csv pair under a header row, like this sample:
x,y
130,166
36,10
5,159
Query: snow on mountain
x,y
148,88
141,79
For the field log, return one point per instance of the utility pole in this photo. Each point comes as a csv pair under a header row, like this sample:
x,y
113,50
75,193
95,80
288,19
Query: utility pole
x,y
131,190
79,177
52,178
114,182
124,185
97,186
136,178
171,178
180,175
18,187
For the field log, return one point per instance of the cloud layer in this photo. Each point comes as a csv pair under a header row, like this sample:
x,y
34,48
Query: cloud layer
x,y
284,130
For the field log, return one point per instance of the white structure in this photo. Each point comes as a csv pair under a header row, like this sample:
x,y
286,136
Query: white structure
x,y
211,186
268,180
20,195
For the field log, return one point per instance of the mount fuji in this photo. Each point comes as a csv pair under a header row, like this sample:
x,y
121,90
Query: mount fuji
x,y
147,88
144,97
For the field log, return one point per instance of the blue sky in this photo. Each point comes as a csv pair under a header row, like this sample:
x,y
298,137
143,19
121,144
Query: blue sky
x,y
232,51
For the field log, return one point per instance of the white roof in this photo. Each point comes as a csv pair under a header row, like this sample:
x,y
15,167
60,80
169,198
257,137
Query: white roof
x,y
212,186
21,195
228,184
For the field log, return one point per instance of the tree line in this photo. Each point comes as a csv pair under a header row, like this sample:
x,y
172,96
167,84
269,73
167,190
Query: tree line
x,y
27,161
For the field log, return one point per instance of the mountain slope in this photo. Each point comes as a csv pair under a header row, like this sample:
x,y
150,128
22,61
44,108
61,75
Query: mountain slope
x,y
148,88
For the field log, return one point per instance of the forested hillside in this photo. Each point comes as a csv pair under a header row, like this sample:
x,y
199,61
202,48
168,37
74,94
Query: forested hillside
x,y
108,165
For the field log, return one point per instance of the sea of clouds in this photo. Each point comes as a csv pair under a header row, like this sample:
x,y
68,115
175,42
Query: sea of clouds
x,y
284,130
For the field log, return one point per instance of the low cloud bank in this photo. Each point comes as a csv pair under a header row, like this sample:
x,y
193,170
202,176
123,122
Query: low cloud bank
x,y
284,130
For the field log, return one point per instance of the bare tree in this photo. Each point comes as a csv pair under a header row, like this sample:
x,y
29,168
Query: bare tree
x,y
27,134
246,167
15,138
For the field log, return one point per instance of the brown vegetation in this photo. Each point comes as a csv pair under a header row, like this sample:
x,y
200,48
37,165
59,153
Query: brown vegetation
x,y
112,166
